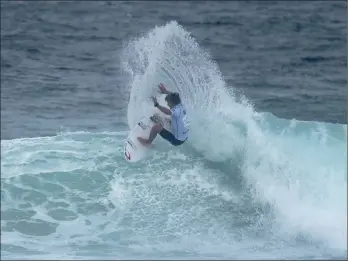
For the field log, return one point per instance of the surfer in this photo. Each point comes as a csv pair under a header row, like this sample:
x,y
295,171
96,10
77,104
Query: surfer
x,y
178,121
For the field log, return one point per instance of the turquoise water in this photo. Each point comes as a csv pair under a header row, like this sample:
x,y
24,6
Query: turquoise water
x,y
74,195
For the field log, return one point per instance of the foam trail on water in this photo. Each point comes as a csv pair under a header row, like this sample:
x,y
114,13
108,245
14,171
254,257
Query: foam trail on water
x,y
301,173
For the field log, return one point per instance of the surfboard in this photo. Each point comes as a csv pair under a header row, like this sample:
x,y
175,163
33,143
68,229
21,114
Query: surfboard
x,y
134,151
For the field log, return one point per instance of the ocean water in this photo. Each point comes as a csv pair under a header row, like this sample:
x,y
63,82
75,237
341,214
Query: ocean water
x,y
263,174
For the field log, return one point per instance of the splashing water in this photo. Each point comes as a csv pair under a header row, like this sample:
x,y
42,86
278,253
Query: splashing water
x,y
297,167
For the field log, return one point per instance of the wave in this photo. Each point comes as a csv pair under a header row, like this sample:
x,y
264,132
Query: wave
x,y
246,185
297,167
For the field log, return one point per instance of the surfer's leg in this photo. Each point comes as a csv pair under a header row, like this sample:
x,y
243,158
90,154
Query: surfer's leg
x,y
153,133
170,137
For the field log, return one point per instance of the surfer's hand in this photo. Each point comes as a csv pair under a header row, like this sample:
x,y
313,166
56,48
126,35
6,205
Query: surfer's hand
x,y
154,99
162,88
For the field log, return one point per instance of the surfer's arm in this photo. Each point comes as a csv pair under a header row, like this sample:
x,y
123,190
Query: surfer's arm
x,y
163,109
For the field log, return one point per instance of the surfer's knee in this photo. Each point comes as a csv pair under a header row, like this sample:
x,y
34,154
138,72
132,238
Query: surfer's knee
x,y
157,127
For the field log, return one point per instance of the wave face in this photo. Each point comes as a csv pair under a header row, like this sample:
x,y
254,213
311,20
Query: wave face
x,y
245,185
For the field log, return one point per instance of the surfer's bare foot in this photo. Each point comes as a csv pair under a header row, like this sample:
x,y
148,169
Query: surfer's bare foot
x,y
144,142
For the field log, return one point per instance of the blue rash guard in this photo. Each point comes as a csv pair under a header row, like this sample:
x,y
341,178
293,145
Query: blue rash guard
x,y
179,122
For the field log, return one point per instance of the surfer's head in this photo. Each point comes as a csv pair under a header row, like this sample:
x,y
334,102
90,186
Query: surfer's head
x,y
173,99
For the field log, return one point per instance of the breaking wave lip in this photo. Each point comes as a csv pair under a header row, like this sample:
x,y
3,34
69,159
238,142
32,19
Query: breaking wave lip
x,y
297,167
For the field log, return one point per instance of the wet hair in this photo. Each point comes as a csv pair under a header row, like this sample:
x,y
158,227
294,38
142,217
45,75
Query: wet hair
x,y
173,98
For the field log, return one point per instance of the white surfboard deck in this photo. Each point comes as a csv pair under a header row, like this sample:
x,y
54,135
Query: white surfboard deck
x,y
134,151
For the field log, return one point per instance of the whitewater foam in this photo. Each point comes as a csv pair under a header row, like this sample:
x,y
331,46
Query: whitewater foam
x,y
300,170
